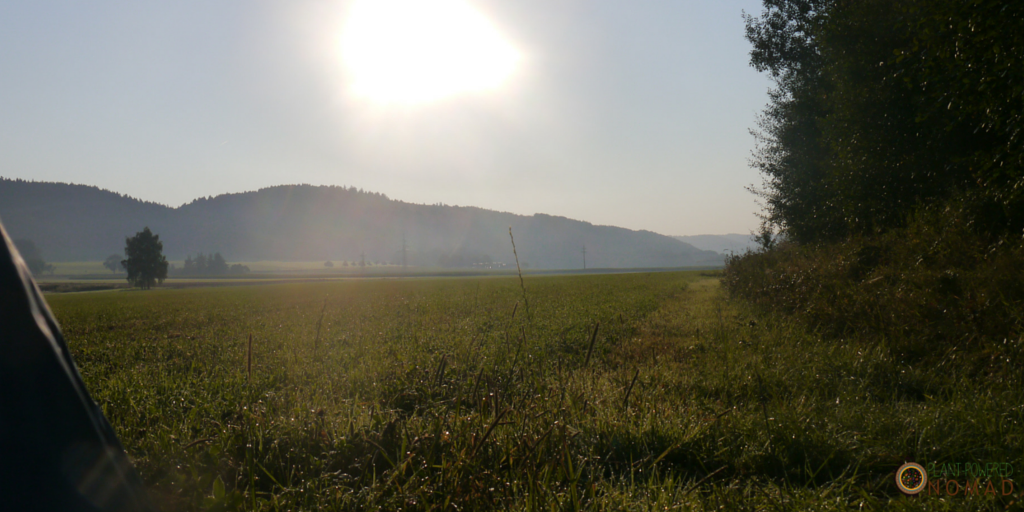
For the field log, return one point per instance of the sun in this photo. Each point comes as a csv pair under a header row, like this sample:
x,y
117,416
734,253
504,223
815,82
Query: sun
x,y
416,51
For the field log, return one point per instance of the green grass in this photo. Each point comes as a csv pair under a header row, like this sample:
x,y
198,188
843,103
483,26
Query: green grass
x,y
428,394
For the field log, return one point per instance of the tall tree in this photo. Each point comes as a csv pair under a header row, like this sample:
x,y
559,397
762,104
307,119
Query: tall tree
x,y
881,107
791,154
144,259
202,265
217,265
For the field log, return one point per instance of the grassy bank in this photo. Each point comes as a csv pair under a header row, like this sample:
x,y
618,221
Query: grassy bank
x,y
938,291
452,394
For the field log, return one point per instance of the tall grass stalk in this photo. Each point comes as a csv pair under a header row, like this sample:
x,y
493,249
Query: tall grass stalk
x,y
319,323
519,270
248,361
625,401
590,348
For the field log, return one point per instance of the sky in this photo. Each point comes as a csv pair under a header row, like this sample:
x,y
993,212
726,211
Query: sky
x,y
633,114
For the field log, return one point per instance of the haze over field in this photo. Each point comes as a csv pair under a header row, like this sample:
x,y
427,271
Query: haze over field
x,y
617,113
730,243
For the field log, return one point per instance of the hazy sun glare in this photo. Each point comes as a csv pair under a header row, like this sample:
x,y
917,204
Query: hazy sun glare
x,y
412,51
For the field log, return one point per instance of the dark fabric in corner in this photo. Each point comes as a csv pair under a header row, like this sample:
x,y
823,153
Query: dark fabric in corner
x,y
57,450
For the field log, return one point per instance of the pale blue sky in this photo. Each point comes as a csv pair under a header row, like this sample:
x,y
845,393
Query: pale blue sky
x,y
633,114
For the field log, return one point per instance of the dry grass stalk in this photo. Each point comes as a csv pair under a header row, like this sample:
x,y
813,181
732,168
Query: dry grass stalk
x,y
316,342
593,338
248,361
625,402
497,419
522,284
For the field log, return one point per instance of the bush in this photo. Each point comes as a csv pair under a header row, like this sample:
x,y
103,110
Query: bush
x,y
937,285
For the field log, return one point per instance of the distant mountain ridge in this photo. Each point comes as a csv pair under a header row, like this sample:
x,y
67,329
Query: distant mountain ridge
x,y
310,223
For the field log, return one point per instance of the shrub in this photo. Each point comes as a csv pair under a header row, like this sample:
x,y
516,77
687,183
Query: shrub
x,y
937,285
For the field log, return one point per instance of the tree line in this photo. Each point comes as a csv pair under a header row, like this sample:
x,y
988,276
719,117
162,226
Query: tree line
x,y
893,164
213,265
146,265
880,107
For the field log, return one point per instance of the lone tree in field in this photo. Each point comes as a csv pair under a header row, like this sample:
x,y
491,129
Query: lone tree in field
x,y
112,263
145,261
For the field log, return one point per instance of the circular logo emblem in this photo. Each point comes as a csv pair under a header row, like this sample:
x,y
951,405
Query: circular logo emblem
x,y
911,478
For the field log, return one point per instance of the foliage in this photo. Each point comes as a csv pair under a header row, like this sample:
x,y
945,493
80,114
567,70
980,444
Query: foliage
x,y
938,286
434,394
791,154
915,112
144,259
212,265
205,265
965,58
881,107
113,263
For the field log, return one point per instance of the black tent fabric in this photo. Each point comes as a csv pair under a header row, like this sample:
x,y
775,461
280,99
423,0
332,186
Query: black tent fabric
x,y
57,450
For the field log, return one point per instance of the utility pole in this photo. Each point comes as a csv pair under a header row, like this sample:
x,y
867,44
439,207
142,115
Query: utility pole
x,y
403,253
584,257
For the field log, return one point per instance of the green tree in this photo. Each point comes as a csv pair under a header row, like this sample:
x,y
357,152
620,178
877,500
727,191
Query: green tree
x,y
964,61
145,261
217,265
880,107
112,263
202,264
791,154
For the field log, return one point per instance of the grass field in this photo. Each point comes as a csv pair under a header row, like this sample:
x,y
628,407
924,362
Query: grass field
x,y
452,394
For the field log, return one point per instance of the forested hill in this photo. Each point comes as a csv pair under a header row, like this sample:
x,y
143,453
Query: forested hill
x,y
307,223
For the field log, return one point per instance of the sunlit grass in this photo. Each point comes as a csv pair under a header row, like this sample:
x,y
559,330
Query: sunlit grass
x,y
429,394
